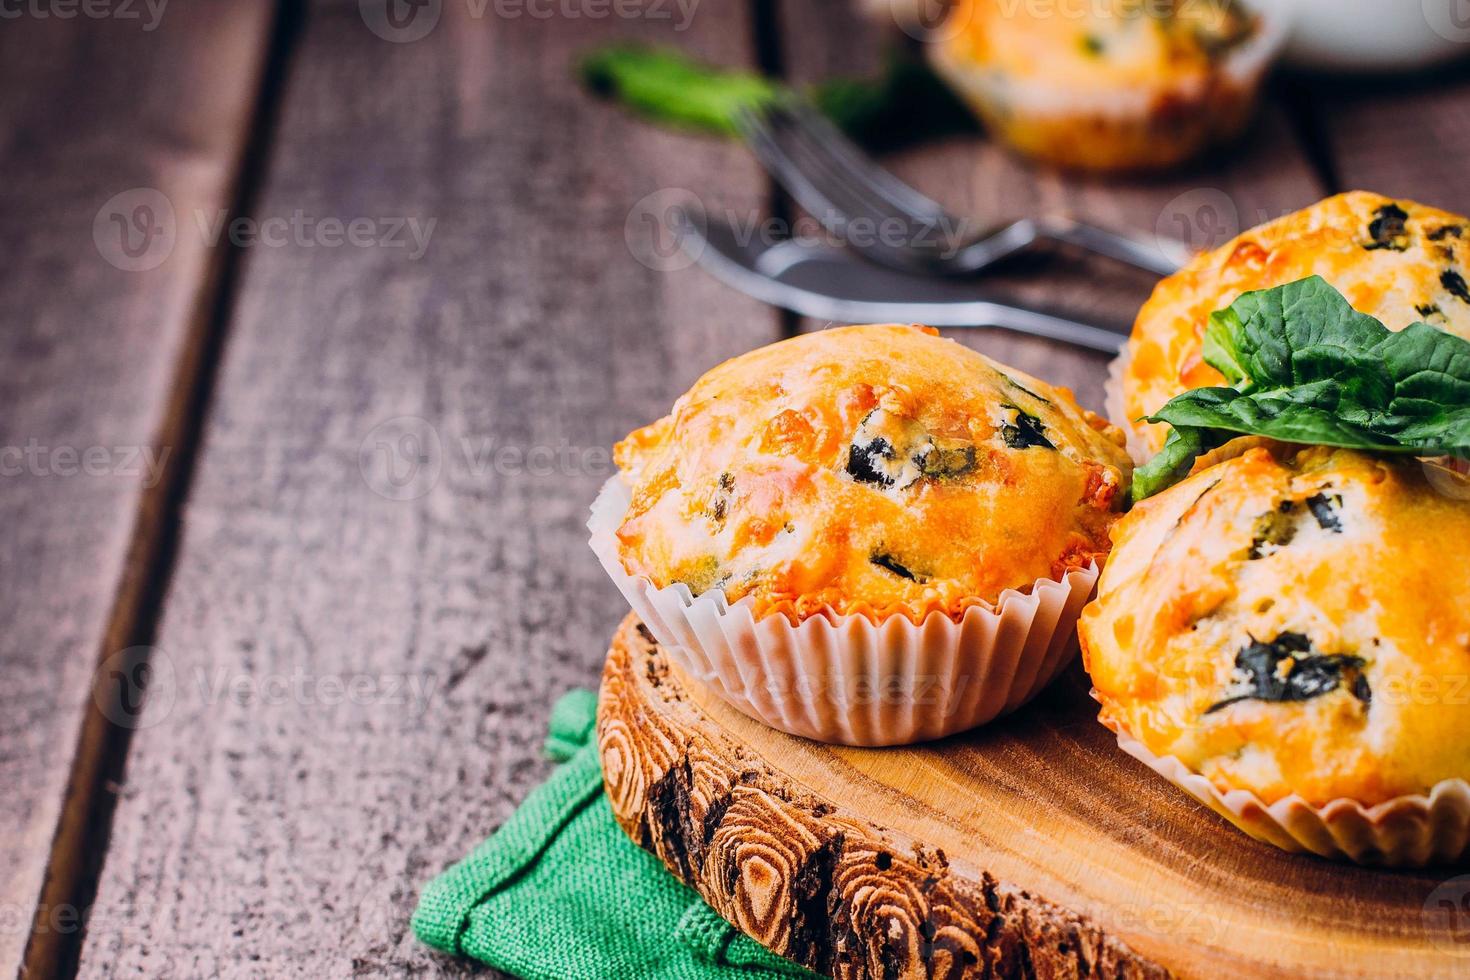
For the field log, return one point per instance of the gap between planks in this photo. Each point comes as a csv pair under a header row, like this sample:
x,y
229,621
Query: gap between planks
x,y
79,847
1309,125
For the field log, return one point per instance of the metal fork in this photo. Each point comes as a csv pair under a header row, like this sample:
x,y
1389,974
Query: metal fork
x,y
835,285
891,223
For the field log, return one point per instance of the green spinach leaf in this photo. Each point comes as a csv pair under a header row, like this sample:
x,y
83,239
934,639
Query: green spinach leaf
x,y
905,103
670,88
1304,366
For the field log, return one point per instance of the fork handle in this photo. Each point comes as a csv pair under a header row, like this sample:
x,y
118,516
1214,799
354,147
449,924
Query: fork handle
x,y
1161,256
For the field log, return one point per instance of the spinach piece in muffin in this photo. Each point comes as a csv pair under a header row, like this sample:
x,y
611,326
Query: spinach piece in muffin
x,y
889,451
1026,432
1288,670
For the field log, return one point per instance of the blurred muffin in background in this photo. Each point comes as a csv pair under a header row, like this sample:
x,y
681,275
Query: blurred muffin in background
x,y
1107,85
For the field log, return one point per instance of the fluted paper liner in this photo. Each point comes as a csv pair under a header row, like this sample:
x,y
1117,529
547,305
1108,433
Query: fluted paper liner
x,y
846,678
1415,831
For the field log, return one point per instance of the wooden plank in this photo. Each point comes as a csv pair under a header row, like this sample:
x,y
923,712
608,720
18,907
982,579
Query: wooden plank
x,y
356,667
1403,138
1269,175
1028,849
138,115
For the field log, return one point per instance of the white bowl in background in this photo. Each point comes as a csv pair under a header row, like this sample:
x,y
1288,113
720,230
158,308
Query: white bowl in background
x,y
1372,35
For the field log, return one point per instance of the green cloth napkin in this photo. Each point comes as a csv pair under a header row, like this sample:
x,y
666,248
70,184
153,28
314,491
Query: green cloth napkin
x,y
561,893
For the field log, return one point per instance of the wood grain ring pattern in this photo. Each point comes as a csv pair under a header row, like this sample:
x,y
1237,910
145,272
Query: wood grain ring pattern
x,y
809,880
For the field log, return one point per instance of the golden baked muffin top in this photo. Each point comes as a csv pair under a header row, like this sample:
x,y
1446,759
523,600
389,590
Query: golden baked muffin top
x,y
1293,621
1130,43
1393,259
872,470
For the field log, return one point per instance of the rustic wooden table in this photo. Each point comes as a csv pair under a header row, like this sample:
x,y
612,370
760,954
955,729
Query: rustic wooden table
x,y
322,476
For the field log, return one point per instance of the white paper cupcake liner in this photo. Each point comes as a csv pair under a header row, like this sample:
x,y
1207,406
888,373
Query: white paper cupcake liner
x,y
1117,413
844,678
1415,831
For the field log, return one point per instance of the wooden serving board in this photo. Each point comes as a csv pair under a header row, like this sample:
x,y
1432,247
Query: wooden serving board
x,y
1033,847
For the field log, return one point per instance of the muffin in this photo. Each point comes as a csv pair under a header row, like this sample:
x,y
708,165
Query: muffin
x,y
1393,259
1282,635
1113,85
827,525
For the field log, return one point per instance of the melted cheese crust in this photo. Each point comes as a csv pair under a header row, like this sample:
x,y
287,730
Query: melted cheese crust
x,y
1419,274
876,470
1237,554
